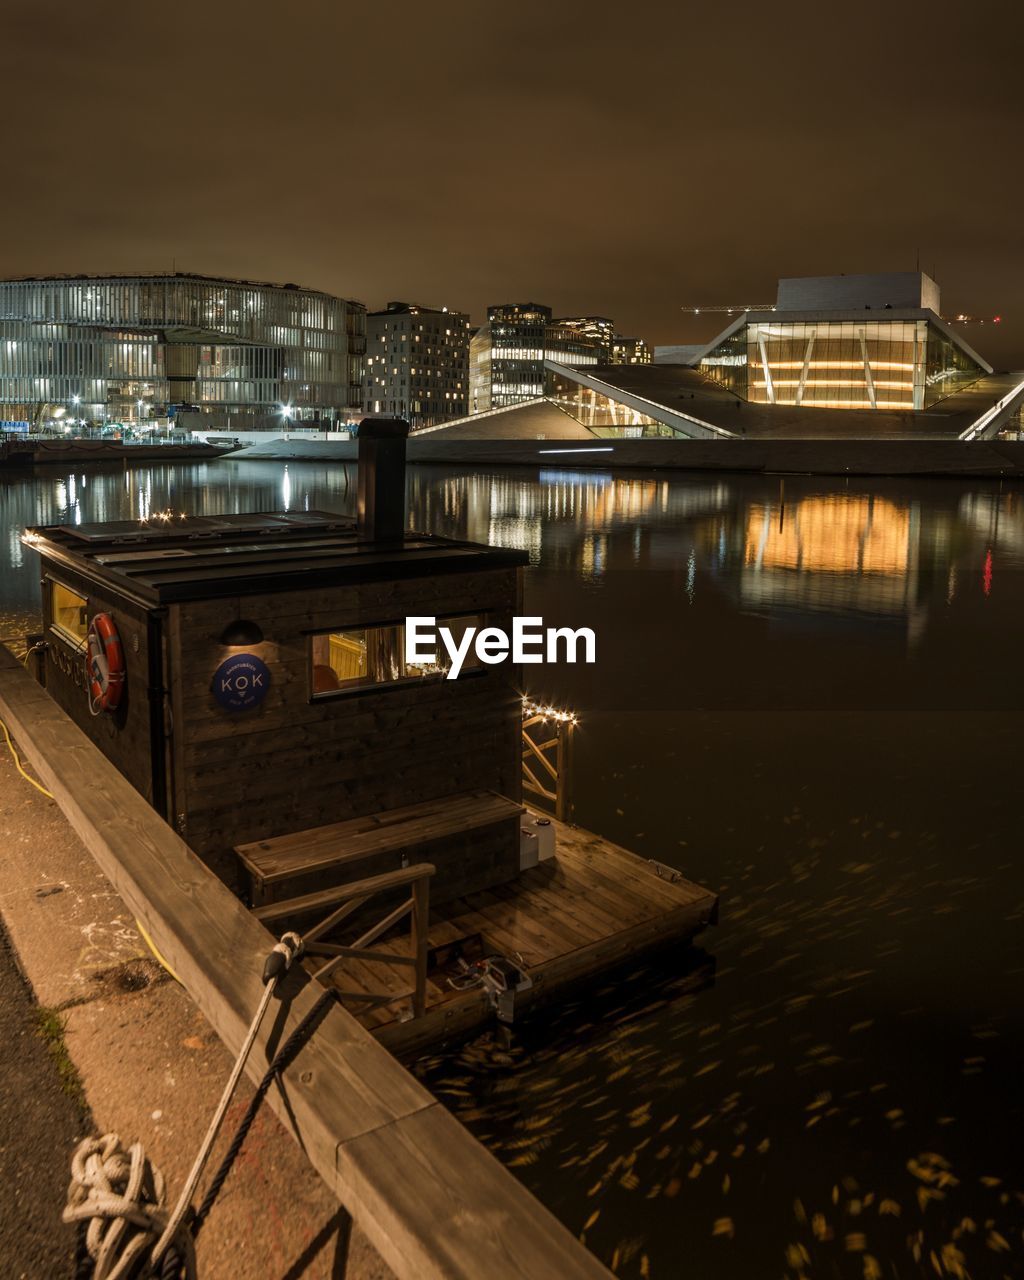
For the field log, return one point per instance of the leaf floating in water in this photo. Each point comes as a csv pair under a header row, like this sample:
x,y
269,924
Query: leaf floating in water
x,y
592,1219
723,1227
726,1184
889,1207
673,1187
797,1257
996,1242
990,1182
763,1146
924,1194
645,1267
701,1122
872,1271
856,1242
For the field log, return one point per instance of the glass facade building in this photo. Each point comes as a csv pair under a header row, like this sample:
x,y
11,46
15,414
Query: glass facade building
x,y
845,342
601,414
506,355
125,347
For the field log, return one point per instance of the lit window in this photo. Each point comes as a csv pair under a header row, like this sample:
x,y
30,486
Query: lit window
x,y
70,617
369,657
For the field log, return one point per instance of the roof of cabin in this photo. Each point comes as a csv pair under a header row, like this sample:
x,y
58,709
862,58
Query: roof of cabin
x,y
170,558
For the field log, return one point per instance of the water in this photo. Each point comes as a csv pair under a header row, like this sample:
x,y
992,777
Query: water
x,y
808,698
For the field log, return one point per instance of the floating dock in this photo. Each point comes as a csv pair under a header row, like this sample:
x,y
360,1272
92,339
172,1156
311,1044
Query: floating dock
x,y
565,921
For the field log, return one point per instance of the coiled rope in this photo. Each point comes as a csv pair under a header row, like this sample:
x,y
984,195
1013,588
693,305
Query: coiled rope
x,y
121,1194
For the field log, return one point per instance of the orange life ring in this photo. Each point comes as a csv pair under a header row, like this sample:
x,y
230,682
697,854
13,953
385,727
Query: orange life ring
x,y
104,664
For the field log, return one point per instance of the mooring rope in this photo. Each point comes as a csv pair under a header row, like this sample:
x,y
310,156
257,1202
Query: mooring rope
x,y
121,1194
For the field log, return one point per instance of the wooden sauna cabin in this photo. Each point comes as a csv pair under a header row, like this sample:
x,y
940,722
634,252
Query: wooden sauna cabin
x,y
267,712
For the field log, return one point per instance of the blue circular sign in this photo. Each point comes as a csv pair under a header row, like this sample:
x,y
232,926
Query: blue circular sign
x,y
241,682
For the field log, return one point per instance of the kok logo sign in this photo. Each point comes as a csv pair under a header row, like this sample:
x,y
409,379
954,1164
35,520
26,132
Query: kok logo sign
x,y
241,682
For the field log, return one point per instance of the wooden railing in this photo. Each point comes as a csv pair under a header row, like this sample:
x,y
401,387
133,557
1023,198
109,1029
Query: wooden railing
x,y
546,753
346,899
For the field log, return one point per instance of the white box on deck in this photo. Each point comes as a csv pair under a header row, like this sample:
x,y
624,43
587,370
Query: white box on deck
x,y
537,839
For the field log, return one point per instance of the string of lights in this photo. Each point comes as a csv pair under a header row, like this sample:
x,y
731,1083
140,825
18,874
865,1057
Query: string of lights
x,y
560,716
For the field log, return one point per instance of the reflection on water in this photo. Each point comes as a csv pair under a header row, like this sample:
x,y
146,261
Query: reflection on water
x,y
807,697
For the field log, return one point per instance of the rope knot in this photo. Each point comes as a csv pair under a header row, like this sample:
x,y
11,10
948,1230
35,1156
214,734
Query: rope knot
x,y
119,1195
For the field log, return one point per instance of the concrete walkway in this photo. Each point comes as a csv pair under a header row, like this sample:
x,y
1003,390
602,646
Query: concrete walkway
x,y
983,458
151,1067
39,1122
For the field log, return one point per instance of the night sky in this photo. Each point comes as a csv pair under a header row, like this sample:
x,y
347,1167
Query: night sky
x,y
619,159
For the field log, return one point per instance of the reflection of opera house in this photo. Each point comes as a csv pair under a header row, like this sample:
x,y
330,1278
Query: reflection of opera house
x,y
830,552
837,357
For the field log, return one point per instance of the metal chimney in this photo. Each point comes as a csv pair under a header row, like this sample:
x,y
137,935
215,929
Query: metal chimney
x,y
381,500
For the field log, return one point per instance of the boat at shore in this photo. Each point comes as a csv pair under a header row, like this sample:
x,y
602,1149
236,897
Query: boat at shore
x,y
247,674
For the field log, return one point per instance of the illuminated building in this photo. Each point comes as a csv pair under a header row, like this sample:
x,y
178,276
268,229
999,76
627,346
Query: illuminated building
x,y
507,355
417,363
629,350
845,342
104,348
597,331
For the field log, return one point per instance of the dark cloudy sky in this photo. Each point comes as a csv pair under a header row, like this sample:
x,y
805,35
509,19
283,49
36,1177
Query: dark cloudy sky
x,y
621,159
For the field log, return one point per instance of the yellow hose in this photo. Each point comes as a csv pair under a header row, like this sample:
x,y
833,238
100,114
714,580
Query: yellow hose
x,y
49,795
20,767
156,954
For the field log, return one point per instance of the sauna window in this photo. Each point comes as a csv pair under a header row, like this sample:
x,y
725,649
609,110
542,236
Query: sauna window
x,y
371,657
69,613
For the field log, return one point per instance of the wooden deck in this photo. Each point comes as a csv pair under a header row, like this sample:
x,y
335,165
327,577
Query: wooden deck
x,y
564,921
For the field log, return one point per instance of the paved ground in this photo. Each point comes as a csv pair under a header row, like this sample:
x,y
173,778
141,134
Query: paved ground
x,y
39,1126
151,1067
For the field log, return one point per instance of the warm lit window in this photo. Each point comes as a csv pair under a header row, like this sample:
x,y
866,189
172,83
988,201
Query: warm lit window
x,y
366,657
70,617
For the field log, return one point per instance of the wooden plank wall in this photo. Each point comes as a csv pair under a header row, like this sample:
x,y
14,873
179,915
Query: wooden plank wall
x,y
293,763
123,735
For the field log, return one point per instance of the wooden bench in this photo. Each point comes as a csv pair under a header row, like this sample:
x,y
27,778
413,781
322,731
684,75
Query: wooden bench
x,y
332,850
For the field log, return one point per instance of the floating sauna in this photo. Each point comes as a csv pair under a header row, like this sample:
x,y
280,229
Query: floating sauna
x,y
247,675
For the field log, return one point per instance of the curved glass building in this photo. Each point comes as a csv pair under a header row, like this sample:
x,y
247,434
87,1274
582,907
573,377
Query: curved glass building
x,y
128,347
846,342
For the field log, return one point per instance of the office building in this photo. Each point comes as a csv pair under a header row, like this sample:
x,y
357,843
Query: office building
x,y
507,354
125,348
629,350
417,364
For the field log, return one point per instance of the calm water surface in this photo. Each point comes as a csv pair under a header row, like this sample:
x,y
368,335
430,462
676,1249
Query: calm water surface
x,y
807,697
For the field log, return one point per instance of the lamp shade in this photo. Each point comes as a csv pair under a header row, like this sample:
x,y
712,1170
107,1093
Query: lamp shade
x,y
241,632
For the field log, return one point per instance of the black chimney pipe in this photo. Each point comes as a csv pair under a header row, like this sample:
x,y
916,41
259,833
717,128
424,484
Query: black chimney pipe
x,y
381,500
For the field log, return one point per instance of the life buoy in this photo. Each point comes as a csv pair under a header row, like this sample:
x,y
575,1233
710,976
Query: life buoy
x,y
104,664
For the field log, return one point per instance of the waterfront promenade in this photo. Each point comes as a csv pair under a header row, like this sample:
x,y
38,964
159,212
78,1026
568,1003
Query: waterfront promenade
x,y
150,1069
980,458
